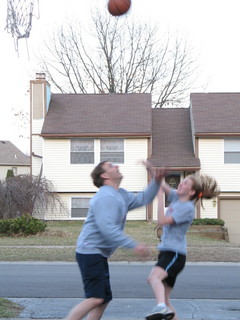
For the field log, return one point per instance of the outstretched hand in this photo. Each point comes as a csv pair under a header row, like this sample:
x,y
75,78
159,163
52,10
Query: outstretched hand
x,y
156,173
141,250
147,164
159,174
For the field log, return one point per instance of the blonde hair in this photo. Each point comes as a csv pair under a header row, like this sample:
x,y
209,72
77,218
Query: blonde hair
x,y
205,187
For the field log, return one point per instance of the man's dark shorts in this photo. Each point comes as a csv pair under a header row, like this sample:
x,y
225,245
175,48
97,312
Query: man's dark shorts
x,y
95,276
173,263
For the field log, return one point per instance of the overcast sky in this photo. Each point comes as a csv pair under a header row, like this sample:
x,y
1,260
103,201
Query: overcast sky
x,y
211,27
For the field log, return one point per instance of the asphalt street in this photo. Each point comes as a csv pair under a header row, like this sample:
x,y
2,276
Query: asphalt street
x,y
208,291
128,280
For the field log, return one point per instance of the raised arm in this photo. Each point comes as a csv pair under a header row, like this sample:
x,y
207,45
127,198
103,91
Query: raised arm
x,y
157,174
165,188
162,218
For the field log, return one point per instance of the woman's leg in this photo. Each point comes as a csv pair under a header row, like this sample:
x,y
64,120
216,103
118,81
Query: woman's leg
x,y
155,278
168,291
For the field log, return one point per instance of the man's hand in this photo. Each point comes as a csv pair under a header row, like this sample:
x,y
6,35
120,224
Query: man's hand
x,y
158,174
149,167
141,249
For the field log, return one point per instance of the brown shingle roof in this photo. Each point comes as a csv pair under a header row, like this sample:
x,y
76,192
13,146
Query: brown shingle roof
x,y
83,114
172,140
216,113
11,155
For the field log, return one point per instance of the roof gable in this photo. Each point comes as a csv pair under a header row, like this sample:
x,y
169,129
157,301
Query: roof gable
x,y
98,114
11,155
172,139
216,113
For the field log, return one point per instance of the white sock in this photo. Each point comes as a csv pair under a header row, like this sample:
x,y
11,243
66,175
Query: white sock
x,y
161,305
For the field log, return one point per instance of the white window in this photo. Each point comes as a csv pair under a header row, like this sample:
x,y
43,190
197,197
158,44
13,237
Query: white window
x,y
112,150
82,151
231,150
79,207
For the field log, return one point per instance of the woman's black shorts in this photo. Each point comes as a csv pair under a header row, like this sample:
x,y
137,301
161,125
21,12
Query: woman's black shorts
x,y
173,263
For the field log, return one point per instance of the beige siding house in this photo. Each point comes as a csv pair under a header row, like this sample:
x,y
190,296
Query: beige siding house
x,y
172,145
217,143
71,133
11,158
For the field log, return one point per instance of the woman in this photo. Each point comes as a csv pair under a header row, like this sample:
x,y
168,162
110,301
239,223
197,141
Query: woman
x,y
173,246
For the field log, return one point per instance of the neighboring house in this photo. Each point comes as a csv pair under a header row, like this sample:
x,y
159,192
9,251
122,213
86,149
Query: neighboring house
x,y
11,158
71,133
216,132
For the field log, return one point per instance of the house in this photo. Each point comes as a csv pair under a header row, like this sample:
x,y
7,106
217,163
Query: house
x,y
11,158
71,133
172,145
216,133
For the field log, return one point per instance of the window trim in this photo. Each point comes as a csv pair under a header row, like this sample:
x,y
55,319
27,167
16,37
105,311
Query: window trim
x,y
97,150
116,152
231,149
79,197
79,152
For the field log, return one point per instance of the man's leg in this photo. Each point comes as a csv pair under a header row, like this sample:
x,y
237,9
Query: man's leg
x,y
96,313
83,308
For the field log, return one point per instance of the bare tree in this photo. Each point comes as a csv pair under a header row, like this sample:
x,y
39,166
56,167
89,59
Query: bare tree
x,y
24,194
119,56
22,122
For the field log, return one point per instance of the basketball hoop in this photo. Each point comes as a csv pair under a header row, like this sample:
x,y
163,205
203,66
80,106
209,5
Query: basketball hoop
x,y
19,18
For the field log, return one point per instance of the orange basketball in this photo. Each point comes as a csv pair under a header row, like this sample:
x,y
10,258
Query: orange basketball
x,y
118,7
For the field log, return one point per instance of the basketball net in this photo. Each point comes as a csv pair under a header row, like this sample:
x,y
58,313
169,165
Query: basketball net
x,y
19,18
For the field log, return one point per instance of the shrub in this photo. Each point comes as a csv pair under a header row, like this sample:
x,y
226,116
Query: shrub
x,y
5,226
208,221
27,193
25,225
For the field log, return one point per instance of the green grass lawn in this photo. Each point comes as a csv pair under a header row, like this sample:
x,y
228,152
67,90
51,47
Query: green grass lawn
x,y
65,233
9,309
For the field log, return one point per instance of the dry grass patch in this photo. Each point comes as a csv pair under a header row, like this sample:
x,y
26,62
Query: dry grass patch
x,y
9,309
37,254
64,234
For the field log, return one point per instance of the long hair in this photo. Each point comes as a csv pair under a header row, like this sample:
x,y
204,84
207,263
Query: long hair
x,y
205,187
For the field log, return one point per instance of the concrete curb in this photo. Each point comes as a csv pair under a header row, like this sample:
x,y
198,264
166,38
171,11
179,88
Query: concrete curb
x,y
122,263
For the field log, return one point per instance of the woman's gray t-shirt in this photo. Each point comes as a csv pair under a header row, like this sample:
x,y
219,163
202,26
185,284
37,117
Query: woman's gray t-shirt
x,y
174,235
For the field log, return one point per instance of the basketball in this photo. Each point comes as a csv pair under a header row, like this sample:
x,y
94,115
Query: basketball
x,y
118,7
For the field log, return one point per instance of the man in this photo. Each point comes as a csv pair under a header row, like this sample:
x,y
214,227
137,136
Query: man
x,y
102,234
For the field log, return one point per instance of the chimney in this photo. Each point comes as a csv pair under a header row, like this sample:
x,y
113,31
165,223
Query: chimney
x,y
40,76
40,96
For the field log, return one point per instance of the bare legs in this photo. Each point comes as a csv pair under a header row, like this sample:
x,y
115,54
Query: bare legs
x,y
96,313
160,289
168,303
155,279
93,307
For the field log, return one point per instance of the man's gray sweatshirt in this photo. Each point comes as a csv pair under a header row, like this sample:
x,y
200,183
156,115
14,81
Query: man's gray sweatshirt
x,y
102,232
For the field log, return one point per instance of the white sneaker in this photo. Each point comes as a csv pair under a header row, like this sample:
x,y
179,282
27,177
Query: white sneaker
x,y
160,313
